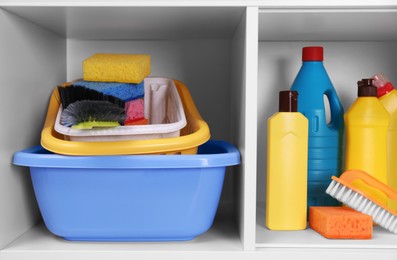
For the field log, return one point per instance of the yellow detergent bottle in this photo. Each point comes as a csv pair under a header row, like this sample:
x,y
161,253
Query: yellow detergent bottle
x,y
366,124
387,95
286,194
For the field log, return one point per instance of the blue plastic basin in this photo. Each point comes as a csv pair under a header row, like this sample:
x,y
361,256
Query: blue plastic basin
x,y
132,197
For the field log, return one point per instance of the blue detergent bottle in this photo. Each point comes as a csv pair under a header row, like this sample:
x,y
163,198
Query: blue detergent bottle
x,y
325,139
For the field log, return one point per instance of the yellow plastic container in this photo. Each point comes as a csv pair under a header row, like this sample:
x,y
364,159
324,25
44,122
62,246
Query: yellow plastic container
x,y
366,124
286,193
389,101
387,96
195,133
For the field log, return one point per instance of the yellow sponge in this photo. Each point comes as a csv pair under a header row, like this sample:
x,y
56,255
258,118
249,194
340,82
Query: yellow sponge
x,y
126,68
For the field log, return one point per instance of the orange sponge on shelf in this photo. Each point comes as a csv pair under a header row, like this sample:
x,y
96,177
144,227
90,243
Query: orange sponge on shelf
x,y
340,223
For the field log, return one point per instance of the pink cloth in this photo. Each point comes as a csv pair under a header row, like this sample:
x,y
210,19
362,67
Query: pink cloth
x,y
134,109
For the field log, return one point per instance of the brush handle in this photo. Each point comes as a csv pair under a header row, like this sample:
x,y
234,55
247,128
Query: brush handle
x,y
370,187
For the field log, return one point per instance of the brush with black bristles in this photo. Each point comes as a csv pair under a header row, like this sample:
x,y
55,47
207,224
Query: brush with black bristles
x,y
75,93
86,114
85,108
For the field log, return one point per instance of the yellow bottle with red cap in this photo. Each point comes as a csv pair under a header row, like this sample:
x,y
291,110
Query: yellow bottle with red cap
x,y
287,149
387,95
366,124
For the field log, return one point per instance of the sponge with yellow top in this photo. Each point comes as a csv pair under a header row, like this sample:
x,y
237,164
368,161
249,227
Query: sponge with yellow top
x,y
125,68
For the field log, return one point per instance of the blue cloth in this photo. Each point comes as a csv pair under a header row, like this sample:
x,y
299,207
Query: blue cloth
x,y
123,91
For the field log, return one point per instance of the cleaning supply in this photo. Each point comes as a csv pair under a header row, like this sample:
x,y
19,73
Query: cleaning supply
x,y
340,223
366,123
85,108
142,121
387,96
132,94
143,129
129,198
69,95
123,91
87,114
135,110
325,139
366,194
128,96
192,130
106,67
286,194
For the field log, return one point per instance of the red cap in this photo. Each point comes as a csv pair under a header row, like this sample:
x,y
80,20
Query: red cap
x,y
312,53
388,87
383,84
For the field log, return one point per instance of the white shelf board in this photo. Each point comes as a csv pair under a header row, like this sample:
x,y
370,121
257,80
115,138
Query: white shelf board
x,y
325,254
267,3
265,238
138,23
222,237
328,25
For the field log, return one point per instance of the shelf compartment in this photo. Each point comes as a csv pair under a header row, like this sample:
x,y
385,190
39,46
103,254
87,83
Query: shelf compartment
x,y
129,22
355,47
327,24
308,238
39,242
191,44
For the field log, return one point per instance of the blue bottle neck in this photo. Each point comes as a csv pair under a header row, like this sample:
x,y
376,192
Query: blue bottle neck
x,y
313,63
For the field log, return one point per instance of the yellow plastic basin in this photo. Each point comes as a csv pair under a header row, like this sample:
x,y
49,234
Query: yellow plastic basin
x,y
195,133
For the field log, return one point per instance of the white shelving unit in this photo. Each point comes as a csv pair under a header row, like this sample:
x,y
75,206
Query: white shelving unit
x,y
234,56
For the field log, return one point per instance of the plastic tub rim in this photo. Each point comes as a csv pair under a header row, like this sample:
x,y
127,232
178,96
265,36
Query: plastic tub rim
x,y
230,156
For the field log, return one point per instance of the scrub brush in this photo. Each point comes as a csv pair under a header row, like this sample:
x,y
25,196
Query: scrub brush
x,y
70,95
87,114
366,194
84,108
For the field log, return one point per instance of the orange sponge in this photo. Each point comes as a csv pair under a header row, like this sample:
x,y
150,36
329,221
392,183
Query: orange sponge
x,y
140,121
340,222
